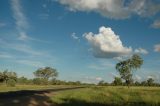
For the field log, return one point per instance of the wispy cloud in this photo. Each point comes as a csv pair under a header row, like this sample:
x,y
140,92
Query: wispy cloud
x,y
74,36
101,65
37,64
157,48
21,21
20,48
2,24
43,16
5,55
91,79
156,24
141,51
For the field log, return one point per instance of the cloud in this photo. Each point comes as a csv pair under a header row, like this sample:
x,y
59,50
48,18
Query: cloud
x,y
31,63
2,24
21,21
101,65
108,8
20,18
106,44
5,55
117,9
156,24
144,8
150,76
98,78
141,51
157,48
137,77
91,79
20,48
43,16
74,36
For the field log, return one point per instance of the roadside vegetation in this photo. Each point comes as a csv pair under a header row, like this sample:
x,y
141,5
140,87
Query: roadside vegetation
x,y
109,96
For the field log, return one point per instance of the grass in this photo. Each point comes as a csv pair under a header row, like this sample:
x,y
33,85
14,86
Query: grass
x,y
4,88
109,96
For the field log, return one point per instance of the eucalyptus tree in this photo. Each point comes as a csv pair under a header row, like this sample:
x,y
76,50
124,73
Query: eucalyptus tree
x,y
126,68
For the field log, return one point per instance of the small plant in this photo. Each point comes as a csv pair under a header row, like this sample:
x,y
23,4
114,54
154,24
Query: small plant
x,y
11,83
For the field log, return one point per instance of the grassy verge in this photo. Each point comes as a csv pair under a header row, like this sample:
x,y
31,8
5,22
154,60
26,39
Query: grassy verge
x,y
109,96
4,88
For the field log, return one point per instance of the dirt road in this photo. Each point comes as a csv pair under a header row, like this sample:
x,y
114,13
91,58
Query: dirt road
x,y
30,97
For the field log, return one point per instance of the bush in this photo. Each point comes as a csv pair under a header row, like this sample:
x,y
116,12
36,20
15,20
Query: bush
x,y
11,83
40,81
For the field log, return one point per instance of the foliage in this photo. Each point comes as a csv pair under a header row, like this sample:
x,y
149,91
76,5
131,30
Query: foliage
x,y
11,82
126,67
46,73
150,82
102,83
117,81
5,76
40,81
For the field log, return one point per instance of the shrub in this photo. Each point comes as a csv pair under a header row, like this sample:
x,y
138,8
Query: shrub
x,y
11,83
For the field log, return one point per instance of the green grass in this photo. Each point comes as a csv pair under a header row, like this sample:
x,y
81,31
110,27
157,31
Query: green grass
x,y
4,88
109,96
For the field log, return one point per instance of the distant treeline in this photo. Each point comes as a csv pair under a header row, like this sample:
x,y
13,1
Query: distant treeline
x,y
47,76
118,82
43,76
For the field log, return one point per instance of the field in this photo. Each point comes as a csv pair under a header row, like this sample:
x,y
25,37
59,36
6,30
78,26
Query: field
x,y
109,96
62,95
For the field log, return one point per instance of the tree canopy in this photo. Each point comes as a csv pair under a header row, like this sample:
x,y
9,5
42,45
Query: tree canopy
x,y
46,73
126,67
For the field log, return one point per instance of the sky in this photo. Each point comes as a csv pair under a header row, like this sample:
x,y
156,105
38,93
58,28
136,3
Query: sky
x,y
82,39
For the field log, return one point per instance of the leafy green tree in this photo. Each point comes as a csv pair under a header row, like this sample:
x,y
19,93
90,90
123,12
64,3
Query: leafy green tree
x,y
1,77
46,73
6,75
150,82
23,80
126,67
144,83
11,83
137,83
117,81
101,83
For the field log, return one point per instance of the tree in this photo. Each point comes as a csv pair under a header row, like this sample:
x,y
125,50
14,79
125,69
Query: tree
x,y
46,73
117,81
137,83
1,77
23,80
150,81
126,67
6,76
144,83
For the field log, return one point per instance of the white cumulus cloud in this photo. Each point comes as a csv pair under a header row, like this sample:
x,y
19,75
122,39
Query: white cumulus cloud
x,y
108,8
117,9
106,44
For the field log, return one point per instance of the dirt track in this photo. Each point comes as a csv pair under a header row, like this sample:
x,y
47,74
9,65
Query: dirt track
x,y
30,97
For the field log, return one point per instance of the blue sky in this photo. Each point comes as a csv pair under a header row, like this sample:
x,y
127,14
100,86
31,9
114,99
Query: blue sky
x,y
82,39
